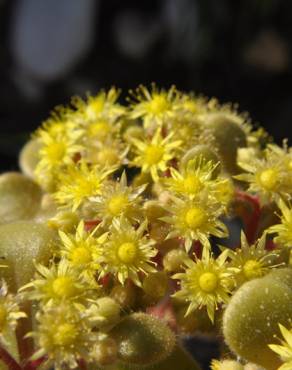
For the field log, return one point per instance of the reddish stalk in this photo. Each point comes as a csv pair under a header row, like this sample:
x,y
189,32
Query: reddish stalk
x,y
9,360
31,365
82,364
25,345
250,218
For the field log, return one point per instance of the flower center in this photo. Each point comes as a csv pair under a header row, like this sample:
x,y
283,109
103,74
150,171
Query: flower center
x,y
192,184
117,204
208,282
127,252
80,256
65,335
195,218
158,104
3,317
153,154
252,269
56,151
63,286
99,129
268,179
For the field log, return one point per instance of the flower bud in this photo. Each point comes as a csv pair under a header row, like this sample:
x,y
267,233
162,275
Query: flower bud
x,y
193,156
106,313
19,197
143,340
173,260
124,295
155,284
28,158
228,136
251,318
21,243
105,352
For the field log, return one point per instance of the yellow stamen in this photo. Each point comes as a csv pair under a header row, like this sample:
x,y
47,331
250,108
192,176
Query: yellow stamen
x,y
153,154
195,218
208,282
117,204
127,252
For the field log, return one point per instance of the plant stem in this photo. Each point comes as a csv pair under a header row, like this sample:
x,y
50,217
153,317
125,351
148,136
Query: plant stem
x,y
25,345
251,216
82,364
9,360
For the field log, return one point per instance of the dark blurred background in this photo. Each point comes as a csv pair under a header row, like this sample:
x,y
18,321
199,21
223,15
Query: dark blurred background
x,y
238,51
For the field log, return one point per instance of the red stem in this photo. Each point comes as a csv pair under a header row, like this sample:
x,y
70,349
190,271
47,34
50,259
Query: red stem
x,y
251,221
82,364
9,360
31,365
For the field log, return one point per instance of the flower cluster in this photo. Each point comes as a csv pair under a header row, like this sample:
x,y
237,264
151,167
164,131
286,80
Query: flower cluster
x,y
140,199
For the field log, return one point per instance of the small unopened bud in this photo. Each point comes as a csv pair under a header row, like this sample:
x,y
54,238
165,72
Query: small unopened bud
x,y
124,295
29,158
19,197
106,313
156,284
105,352
143,340
174,259
158,231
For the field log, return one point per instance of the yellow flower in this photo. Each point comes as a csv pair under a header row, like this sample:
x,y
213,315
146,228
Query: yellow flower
x,y
83,250
153,155
79,183
223,191
284,229
284,350
62,336
268,176
128,252
186,128
190,182
101,131
205,282
226,365
58,283
251,261
191,105
154,106
110,153
55,154
117,199
195,220
102,106
9,310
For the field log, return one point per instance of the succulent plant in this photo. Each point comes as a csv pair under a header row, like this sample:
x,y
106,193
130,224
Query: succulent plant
x,y
111,238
